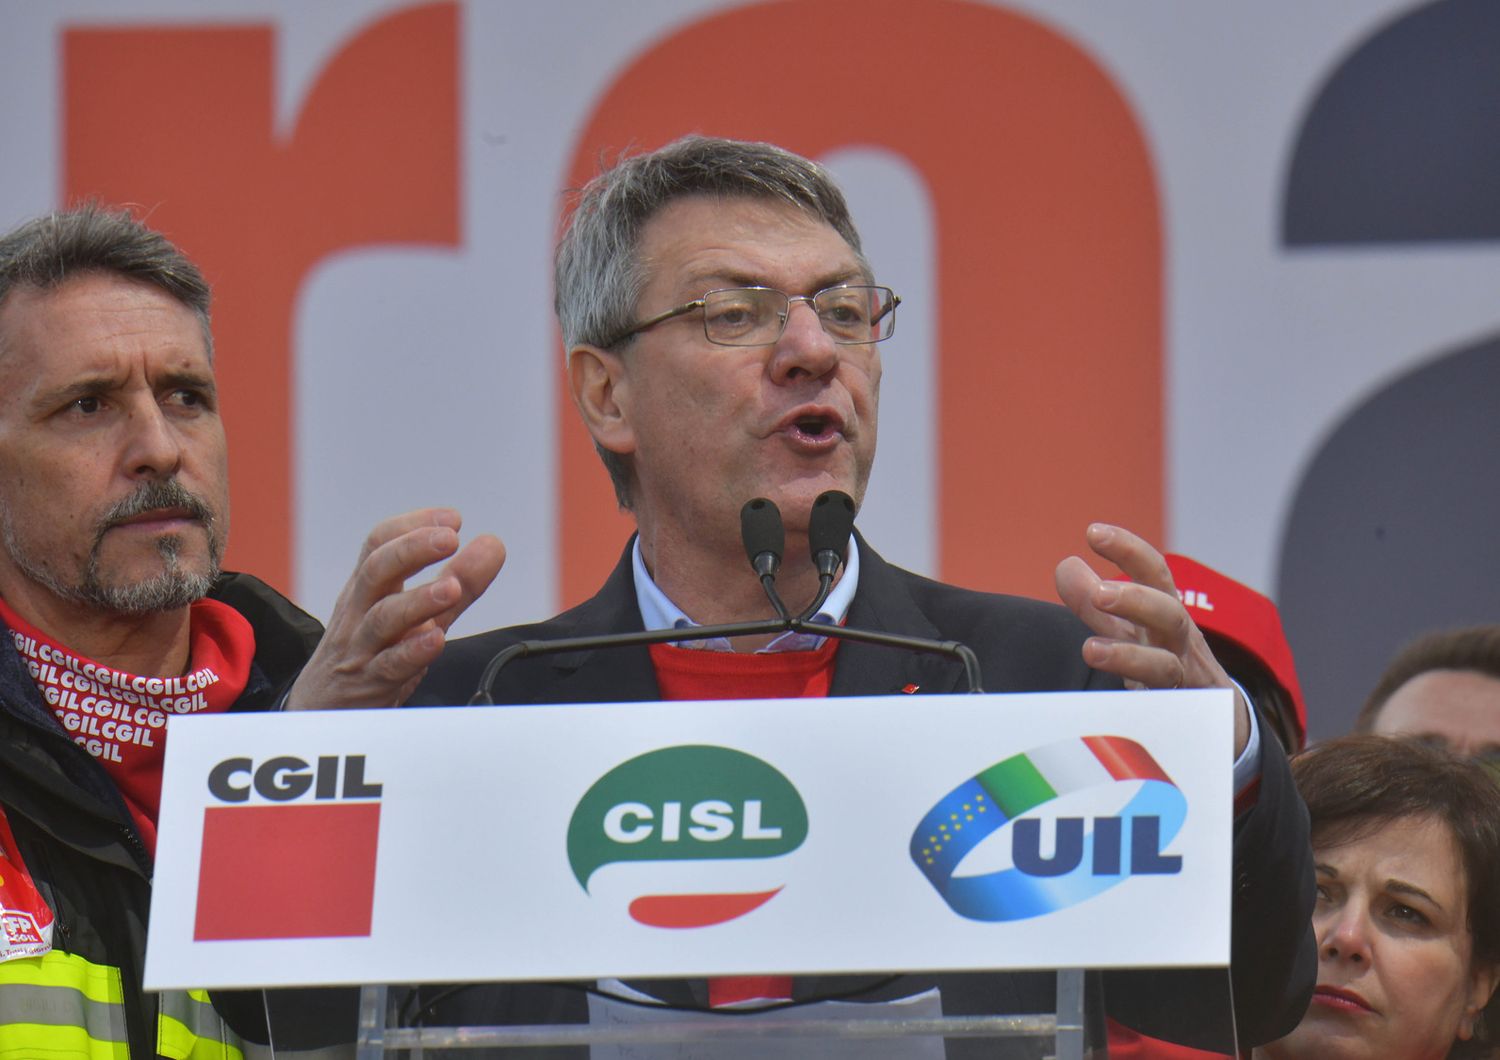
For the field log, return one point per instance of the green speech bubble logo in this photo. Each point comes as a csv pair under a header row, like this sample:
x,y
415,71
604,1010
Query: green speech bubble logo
x,y
684,803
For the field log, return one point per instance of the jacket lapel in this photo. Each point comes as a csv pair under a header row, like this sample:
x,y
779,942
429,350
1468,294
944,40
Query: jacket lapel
x,y
607,675
604,675
883,603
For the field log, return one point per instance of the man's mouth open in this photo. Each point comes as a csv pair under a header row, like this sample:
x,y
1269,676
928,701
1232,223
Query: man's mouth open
x,y
814,431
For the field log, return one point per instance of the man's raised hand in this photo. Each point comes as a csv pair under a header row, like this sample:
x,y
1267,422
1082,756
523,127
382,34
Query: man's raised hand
x,y
1143,632
382,636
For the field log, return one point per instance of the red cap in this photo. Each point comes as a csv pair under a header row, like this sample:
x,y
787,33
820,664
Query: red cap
x,y
1223,607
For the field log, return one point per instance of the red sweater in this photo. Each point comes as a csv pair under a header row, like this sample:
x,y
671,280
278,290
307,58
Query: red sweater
x,y
686,673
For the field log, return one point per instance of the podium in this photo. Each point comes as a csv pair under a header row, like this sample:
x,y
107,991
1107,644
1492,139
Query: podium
x,y
1059,1035
681,841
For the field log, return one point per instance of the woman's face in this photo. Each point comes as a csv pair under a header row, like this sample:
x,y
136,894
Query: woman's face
x,y
1396,975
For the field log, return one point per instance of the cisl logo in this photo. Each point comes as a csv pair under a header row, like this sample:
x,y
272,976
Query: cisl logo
x,y
686,836
291,853
1040,831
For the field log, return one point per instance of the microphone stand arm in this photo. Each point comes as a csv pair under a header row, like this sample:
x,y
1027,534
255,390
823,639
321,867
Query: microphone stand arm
x,y
951,648
825,589
526,648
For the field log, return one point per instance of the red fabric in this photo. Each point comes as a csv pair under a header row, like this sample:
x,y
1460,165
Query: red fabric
x,y
730,989
1222,606
686,673
120,718
1246,797
1126,1044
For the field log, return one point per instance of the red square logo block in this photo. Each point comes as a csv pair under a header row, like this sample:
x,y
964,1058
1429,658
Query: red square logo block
x,y
287,872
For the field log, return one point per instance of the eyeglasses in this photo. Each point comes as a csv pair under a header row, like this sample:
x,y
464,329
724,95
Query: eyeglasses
x,y
757,316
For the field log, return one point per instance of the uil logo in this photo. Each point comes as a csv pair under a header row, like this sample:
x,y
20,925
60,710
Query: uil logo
x,y
1102,804
686,837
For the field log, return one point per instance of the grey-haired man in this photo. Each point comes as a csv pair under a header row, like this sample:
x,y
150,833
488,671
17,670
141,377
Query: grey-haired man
x,y
722,328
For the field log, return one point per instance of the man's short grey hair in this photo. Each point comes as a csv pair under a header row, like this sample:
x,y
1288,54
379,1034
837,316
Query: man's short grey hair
x,y
599,273
48,251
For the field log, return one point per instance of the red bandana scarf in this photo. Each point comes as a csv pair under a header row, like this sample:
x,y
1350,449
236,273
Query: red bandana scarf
x,y
121,718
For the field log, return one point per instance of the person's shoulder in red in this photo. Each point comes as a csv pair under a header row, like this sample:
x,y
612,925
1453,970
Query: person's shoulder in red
x,y
1126,1044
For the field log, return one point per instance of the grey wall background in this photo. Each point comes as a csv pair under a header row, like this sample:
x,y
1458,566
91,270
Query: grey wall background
x,y
1393,529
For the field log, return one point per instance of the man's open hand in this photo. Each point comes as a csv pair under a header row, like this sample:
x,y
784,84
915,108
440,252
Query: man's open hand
x,y
382,636
1144,633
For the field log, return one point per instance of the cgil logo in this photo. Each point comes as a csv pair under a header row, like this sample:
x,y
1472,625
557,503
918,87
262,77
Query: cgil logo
x,y
286,778
686,836
286,820
1105,804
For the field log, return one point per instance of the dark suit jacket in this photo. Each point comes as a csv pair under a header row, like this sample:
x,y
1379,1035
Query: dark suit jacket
x,y
1023,646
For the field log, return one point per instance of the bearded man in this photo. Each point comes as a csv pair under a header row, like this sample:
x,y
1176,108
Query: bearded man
x,y
114,511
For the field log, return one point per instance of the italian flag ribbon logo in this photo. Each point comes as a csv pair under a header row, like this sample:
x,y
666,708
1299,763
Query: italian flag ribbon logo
x,y
981,845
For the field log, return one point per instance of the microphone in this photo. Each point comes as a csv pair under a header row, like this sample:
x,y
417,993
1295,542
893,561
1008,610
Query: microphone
x,y
765,539
828,529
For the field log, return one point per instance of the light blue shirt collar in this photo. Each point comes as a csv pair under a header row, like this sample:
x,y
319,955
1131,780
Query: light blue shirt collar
x,y
658,612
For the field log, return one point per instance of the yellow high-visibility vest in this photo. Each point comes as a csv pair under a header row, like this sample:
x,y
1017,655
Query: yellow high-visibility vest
x,y
60,1006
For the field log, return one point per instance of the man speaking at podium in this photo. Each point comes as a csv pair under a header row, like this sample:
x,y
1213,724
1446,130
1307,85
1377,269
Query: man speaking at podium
x,y
722,329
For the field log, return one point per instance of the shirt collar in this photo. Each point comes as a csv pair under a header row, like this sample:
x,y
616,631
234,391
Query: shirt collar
x,y
659,612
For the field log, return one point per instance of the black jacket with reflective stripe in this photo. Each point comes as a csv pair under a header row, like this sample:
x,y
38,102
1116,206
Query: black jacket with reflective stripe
x,y
71,824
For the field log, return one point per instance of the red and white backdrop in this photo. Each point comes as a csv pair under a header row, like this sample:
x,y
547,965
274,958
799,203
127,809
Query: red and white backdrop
x,y
1224,273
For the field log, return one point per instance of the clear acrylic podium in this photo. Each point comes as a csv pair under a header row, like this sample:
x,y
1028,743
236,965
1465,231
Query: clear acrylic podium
x,y
1059,1035
522,880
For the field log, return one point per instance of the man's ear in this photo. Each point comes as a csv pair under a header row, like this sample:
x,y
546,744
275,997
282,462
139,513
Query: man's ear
x,y
600,386
1483,978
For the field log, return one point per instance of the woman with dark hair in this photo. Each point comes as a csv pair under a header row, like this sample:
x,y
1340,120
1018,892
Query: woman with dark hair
x,y
1406,839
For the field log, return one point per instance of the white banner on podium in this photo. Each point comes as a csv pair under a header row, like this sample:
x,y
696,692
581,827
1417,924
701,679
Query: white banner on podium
x,y
686,839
